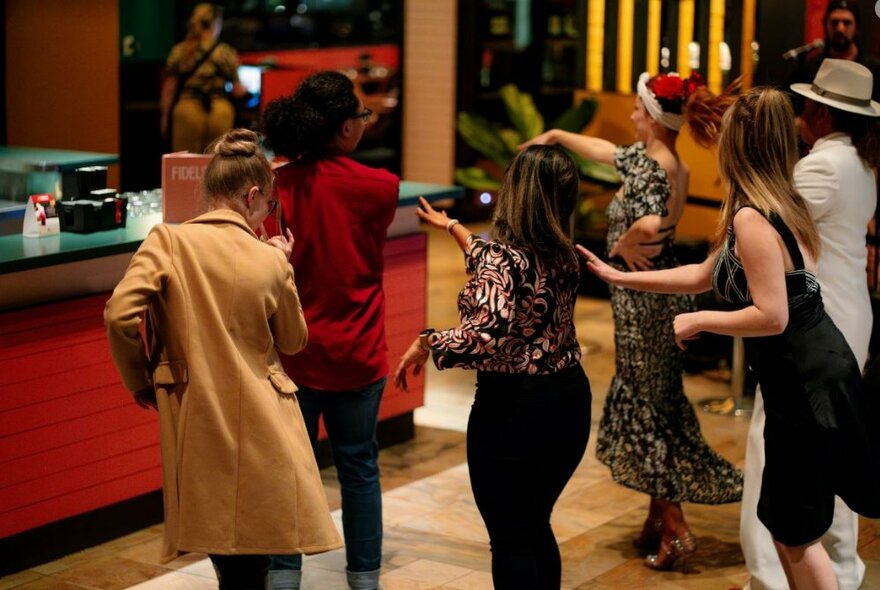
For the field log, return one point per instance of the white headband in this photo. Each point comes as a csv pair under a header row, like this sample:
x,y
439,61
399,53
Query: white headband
x,y
670,120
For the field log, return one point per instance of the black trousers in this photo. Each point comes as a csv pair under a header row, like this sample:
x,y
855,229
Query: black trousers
x,y
526,436
240,572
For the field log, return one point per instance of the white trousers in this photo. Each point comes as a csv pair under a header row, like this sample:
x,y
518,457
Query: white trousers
x,y
757,543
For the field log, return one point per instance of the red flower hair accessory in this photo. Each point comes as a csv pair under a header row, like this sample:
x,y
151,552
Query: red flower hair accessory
x,y
668,87
694,81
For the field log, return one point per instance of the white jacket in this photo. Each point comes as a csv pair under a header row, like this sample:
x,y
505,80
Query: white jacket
x,y
841,192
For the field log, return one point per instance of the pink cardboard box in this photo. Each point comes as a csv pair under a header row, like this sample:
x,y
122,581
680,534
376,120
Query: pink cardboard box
x,y
182,174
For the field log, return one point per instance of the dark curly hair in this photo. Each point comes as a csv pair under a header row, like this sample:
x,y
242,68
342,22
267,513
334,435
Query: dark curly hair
x,y
304,125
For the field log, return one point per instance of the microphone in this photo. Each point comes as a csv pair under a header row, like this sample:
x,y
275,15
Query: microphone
x,y
793,53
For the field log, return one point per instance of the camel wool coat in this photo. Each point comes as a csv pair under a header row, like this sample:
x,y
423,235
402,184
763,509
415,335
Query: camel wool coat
x,y
239,474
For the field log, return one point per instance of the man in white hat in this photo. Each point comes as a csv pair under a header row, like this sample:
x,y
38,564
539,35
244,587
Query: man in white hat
x,y
840,122
842,23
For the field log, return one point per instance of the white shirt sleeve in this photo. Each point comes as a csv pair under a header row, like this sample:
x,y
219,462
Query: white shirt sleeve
x,y
817,182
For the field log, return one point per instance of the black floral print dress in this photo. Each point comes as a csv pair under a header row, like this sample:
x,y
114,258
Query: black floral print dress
x,y
649,435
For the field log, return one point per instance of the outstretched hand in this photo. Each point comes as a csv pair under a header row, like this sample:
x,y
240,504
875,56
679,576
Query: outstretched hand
x,y
546,138
415,357
604,271
431,216
635,255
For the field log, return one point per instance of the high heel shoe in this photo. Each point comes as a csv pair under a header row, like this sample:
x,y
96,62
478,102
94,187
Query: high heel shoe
x,y
649,538
670,552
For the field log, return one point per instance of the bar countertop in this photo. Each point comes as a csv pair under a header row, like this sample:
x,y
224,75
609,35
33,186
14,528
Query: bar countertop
x,y
18,253
25,159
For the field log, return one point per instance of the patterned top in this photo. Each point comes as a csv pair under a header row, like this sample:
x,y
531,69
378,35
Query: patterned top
x,y
516,313
212,75
645,191
729,277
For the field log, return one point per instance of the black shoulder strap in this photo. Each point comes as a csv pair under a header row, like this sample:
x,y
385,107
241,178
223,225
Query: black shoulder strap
x,y
790,242
184,77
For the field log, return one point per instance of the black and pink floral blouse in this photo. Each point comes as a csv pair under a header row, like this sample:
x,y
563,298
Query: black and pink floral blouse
x,y
516,313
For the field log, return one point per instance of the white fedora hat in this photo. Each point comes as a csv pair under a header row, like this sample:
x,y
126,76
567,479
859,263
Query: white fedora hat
x,y
844,85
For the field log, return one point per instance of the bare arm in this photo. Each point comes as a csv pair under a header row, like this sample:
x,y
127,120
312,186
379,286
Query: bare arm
x,y
440,220
762,257
592,148
630,246
691,278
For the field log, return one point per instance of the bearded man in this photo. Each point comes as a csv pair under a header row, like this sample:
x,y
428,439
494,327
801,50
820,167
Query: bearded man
x,y
842,25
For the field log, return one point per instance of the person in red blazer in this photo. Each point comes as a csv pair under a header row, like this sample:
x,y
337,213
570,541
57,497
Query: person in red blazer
x,y
339,211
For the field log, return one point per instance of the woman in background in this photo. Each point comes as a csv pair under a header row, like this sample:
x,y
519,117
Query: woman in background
x,y
649,435
219,304
820,430
194,97
530,420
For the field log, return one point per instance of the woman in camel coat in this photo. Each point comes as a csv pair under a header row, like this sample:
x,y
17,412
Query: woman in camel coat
x,y
239,474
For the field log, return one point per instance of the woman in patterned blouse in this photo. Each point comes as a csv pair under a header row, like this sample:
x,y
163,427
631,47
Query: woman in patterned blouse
x,y
649,435
530,420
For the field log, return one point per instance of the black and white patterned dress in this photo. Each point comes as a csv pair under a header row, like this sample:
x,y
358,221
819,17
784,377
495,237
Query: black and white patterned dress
x,y
649,435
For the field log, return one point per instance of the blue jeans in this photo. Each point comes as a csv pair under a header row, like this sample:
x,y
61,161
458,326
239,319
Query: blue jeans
x,y
350,418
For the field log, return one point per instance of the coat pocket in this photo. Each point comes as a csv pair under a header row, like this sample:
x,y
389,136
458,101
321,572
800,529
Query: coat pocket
x,y
281,382
170,373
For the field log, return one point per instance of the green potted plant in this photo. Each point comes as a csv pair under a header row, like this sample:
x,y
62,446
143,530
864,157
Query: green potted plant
x,y
498,144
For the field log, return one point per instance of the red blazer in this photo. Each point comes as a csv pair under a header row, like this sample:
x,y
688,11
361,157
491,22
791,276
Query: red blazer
x,y
339,212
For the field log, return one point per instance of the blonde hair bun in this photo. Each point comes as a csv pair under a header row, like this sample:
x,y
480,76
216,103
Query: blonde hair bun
x,y
236,143
238,163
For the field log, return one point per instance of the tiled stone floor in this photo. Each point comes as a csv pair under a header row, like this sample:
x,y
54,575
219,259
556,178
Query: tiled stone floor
x,y
434,538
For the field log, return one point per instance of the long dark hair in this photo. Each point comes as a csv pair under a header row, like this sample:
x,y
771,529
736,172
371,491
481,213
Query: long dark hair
x,y
535,202
304,125
864,132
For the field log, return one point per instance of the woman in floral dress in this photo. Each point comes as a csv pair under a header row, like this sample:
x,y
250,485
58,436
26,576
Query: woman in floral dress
x,y
649,435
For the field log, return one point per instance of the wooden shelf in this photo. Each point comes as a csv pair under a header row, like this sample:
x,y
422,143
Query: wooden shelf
x,y
561,42
501,45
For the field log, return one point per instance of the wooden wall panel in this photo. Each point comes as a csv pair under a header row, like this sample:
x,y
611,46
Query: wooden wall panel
x,y
62,75
814,28
84,500
327,58
429,83
295,65
406,288
45,439
71,437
